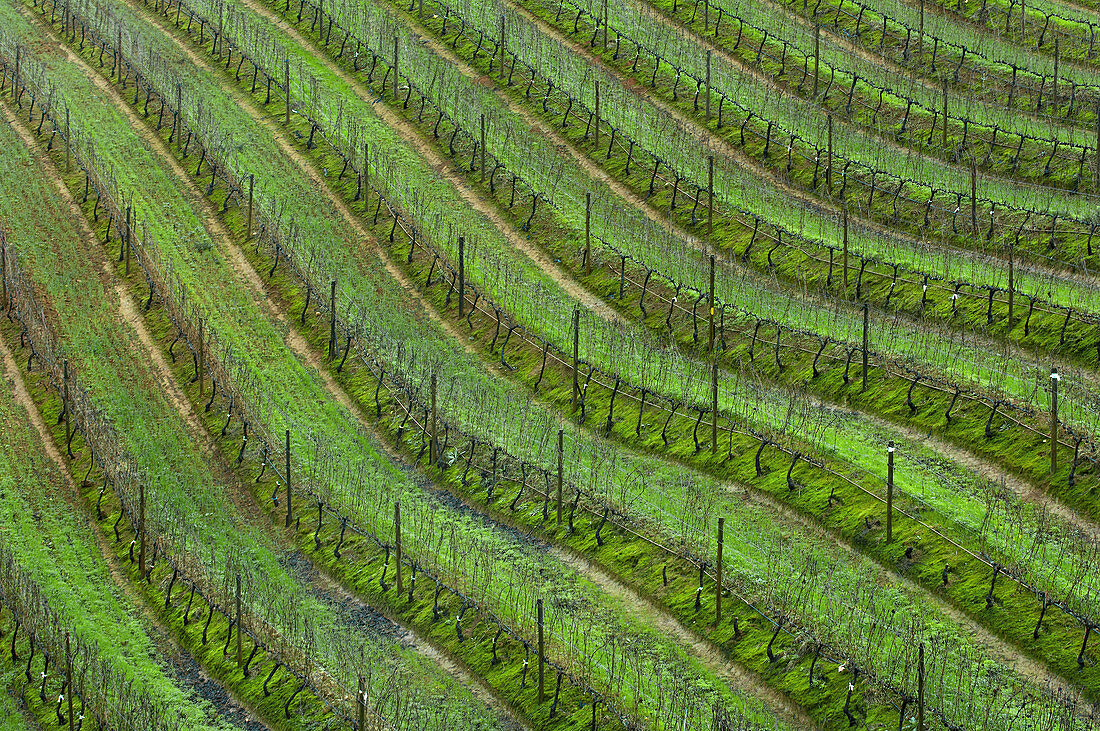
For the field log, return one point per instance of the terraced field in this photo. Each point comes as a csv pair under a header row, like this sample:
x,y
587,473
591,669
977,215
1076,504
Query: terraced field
x,y
518,364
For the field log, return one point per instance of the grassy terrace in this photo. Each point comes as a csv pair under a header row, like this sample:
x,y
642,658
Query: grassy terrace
x,y
966,514
195,507
555,580
565,189
710,343
48,543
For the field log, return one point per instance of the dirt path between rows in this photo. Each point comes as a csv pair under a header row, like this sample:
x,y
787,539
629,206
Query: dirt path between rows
x,y
707,139
602,579
625,193
161,634
298,344
699,648
412,137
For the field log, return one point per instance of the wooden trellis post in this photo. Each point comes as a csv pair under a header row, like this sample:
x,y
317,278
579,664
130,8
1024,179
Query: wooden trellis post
x,y
945,114
286,80
65,404
1096,182
829,154
251,185
974,197
240,659
1054,378
576,352
126,240
920,689
605,19
714,406
710,304
844,244
710,198
597,115
817,57
866,326
359,701
68,150
177,123
141,528
502,48
718,581
587,234
397,539
288,504
920,36
433,445
482,171
395,67
202,358
542,654
3,271
1011,280
332,321
561,458
69,678
1054,91
890,492
461,275
708,84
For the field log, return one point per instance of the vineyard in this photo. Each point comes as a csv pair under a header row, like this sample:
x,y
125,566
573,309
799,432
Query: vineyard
x,y
550,364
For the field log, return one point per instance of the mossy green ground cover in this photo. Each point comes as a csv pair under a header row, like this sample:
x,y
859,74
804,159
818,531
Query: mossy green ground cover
x,y
151,429
49,537
926,487
257,316
372,388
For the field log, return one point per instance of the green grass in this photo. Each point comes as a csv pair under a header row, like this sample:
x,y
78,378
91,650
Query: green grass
x,y
189,507
257,267
922,117
968,514
554,175
409,504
